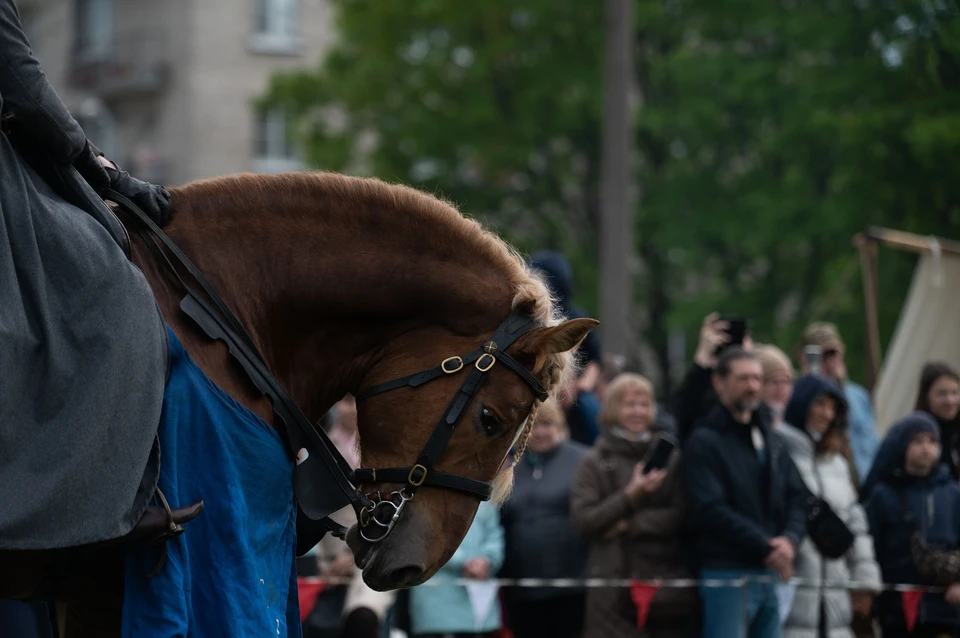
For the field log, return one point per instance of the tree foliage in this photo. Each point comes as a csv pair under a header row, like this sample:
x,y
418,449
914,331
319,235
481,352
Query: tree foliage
x,y
767,134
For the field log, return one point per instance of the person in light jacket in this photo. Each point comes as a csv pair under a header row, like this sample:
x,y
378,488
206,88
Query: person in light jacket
x,y
446,610
813,432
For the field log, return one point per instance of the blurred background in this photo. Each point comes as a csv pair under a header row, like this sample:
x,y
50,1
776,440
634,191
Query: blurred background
x,y
685,155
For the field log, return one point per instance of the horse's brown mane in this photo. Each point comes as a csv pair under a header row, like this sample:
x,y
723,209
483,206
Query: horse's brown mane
x,y
343,196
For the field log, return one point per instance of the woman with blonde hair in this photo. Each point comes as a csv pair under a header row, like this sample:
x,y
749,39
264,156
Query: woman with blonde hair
x,y
633,517
540,541
778,379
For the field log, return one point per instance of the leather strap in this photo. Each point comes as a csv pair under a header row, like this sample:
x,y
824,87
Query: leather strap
x,y
481,489
419,378
524,374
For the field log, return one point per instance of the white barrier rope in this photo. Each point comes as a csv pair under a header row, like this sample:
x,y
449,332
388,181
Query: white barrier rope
x,y
668,583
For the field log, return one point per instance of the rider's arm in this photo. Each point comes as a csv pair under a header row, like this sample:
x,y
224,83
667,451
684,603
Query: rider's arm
x,y
27,94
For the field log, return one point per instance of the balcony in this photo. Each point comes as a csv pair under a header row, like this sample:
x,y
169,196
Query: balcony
x,y
133,64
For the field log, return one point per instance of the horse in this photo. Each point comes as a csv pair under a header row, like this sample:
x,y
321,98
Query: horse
x,y
345,283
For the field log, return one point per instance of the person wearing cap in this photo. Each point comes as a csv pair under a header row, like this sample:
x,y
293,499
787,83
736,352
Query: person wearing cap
x,y
910,491
863,433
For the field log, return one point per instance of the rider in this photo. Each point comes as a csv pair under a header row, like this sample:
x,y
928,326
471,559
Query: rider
x,y
82,342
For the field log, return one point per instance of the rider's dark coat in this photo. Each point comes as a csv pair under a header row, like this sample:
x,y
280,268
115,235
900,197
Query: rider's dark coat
x,y
82,342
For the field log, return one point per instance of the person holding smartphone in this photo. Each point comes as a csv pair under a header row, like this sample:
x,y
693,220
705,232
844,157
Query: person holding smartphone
x,y
747,505
627,501
695,397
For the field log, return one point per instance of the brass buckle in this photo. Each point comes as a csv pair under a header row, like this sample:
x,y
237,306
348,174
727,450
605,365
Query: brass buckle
x,y
459,362
423,478
482,364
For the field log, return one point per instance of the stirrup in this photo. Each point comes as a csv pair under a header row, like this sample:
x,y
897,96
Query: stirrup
x,y
160,524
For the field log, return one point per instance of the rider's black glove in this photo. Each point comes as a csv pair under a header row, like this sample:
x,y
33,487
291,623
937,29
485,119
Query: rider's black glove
x,y
153,199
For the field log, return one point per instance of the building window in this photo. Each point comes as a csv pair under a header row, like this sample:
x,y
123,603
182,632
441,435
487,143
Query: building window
x,y
276,27
94,36
273,151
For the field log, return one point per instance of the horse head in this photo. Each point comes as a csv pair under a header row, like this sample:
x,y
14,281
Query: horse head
x,y
420,530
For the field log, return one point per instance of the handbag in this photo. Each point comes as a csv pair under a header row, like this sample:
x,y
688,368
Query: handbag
x,y
828,532
936,566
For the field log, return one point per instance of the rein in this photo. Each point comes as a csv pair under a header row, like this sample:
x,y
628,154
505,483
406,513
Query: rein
x,y
324,464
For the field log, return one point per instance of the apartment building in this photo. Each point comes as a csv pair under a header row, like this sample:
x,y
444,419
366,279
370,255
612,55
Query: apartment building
x,y
167,86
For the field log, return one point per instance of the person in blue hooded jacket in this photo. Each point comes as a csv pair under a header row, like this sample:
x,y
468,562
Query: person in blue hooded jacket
x,y
909,490
580,401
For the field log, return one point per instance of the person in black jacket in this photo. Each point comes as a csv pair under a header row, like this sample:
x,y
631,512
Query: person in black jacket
x,y
746,503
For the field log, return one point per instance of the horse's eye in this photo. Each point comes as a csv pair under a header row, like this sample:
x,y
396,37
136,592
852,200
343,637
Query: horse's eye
x,y
489,421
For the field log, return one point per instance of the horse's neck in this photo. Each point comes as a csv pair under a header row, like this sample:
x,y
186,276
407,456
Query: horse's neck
x,y
321,308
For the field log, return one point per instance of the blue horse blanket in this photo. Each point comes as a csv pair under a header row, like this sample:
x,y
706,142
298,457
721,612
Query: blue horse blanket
x,y
232,573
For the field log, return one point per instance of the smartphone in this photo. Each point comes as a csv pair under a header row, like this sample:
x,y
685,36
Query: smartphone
x,y
659,456
737,329
814,357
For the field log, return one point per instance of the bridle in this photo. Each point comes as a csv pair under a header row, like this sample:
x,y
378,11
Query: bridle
x,y
324,482
385,510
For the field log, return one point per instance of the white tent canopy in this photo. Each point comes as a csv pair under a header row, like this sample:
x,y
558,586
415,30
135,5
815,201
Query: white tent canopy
x,y
927,329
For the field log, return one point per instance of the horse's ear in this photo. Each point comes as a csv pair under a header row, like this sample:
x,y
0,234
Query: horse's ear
x,y
568,335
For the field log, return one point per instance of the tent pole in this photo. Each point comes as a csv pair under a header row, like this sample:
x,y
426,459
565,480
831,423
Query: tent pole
x,y
909,241
867,249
